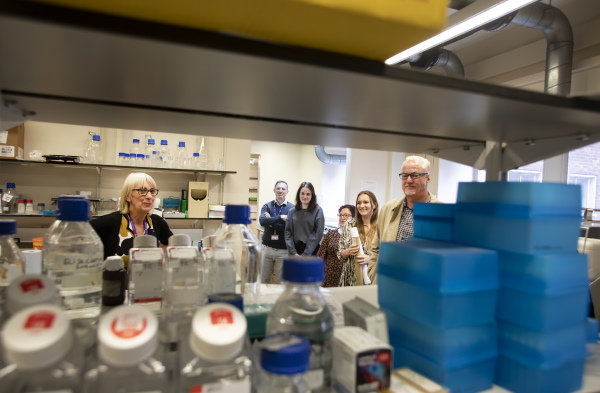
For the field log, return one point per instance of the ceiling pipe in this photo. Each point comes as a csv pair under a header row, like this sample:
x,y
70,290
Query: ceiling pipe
x,y
438,57
335,159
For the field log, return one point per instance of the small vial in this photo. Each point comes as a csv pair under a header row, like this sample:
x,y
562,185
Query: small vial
x,y
21,206
41,206
114,281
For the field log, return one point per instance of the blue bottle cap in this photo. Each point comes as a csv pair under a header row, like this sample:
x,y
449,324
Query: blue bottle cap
x,y
196,154
285,354
8,227
163,142
10,185
150,141
136,141
237,214
181,144
123,155
303,269
140,155
95,137
235,299
73,208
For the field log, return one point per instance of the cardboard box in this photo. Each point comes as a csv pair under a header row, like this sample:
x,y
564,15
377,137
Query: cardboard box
x,y
12,143
197,199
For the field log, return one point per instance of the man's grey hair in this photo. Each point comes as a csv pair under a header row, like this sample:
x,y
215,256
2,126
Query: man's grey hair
x,y
418,160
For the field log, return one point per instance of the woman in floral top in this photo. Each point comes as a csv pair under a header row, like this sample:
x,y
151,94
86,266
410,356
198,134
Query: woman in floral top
x,y
329,250
366,223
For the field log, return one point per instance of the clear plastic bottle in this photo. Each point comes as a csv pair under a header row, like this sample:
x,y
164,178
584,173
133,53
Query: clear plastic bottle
x,y
236,240
129,357
140,159
123,159
12,261
45,355
95,151
73,255
164,154
135,148
215,356
185,283
145,270
150,156
10,199
195,161
181,157
204,161
284,358
302,309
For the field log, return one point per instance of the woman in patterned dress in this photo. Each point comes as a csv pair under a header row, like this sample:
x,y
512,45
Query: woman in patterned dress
x,y
330,246
366,222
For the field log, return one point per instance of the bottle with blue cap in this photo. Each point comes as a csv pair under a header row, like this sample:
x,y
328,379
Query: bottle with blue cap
x,y
236,256
164,154
150,156
12,260
284,360
73,255
95,150
135,148
10,197
302,309
181,157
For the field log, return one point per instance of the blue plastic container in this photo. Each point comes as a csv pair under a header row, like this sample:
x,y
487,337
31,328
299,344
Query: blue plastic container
x,y
439,266
592,331
530,218
444,309
459,378
434,221
544,349
543,311
543,272
444,346
521,377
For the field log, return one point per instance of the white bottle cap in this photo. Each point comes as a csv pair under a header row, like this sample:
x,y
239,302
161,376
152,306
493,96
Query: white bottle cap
x,y
30,290
180,239
114,263
127,335
144,241
37,337
218,332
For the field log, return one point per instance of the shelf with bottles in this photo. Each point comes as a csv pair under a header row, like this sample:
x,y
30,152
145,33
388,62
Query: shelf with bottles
x,y
86,165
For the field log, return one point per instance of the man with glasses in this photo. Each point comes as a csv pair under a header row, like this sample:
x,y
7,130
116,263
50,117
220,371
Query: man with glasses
x,y
396,222
273,216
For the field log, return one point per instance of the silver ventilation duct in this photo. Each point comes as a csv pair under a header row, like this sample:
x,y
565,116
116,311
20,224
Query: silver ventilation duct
x,y
438,57
335,159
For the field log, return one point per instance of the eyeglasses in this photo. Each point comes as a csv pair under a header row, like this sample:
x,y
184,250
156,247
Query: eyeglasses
x,y
145,191
345,215
413,176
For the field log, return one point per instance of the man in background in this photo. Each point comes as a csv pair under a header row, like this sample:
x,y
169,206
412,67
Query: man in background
x,y
273,216
396,220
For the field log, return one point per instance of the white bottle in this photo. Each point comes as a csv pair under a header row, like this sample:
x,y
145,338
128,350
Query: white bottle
x,y
73,256
12,261
10,199
364,267
150,156
284,359
129,357
41,346
164,155
215,356
29,206
21,206
302,309
236,239
95,151
181,157
145,270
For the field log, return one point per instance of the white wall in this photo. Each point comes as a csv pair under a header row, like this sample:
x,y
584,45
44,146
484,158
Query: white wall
x,y
367,170
449,175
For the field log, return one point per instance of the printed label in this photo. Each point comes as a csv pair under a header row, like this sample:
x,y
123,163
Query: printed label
x,y
7,197
7,151
32,285
242,386
40,320
128,325
221,316
147,279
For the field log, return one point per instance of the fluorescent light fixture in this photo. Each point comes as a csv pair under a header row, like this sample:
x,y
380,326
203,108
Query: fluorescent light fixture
x,y
469,18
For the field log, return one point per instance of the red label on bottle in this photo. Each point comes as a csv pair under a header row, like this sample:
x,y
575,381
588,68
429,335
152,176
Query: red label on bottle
x,y
196,389
221,316
40,320
128,325
32,285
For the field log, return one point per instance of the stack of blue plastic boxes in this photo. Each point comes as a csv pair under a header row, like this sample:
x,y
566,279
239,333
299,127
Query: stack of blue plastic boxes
x,y
440,299
543,296
439,295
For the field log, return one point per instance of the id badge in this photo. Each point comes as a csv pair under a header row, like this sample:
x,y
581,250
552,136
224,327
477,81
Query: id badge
x,y
274,237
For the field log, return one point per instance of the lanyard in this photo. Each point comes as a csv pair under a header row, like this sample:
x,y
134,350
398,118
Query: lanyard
x,y
132,225
275,208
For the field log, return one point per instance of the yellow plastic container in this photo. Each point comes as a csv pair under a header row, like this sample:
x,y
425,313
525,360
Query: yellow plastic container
x,y
374,29
37,242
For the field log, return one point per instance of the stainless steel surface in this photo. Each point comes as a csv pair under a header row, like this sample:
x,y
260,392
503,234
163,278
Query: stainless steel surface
x,y
175,80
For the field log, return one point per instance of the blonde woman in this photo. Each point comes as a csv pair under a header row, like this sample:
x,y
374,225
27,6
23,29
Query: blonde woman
x,y
133,219
354,258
